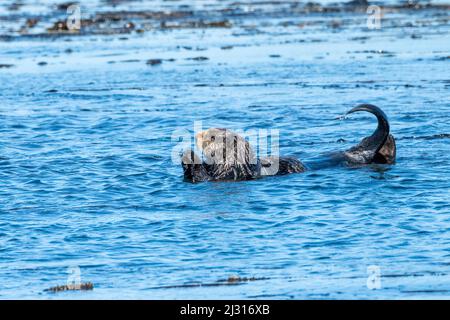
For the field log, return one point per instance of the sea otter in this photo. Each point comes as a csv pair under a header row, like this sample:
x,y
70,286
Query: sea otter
x,y
228,156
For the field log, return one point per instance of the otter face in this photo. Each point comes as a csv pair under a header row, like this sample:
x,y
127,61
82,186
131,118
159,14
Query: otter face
x,y
205,138
222,146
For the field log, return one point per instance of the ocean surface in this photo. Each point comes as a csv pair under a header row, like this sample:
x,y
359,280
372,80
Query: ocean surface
x,y
88,135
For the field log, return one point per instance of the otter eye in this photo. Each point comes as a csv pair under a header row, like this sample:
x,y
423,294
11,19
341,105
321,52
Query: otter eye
x,y
213,138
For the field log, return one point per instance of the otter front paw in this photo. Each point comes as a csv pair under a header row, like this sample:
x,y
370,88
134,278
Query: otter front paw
x,y
193,168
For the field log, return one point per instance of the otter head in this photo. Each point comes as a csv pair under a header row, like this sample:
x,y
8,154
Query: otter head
x,y
225,147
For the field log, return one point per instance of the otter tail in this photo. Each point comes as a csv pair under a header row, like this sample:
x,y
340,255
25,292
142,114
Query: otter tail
x,y
368,148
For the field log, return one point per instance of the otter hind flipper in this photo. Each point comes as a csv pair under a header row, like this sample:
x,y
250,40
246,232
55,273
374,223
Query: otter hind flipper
x,y
388,152
376,148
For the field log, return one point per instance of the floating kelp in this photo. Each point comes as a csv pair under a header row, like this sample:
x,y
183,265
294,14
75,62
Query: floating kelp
x,y
111,22
72,287
231,280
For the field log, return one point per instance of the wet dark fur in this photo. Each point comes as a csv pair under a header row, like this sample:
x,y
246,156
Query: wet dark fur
x,y
380,147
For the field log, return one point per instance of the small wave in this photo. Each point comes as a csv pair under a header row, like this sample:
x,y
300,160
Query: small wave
x,y
432,137
232,280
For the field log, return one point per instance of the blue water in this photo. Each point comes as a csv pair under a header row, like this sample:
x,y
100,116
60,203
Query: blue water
x,y
86,177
